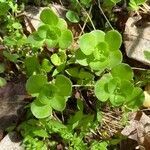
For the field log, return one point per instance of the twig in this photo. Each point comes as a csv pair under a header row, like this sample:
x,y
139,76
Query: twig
x,y
82,31
87,15
99,5
136,68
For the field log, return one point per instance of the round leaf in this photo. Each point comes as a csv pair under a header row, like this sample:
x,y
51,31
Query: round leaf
x,y
72,16
50,43
136,99
46,65
115,58
58,102
63,85
39,110
101,88
55,59
98,65
42,31
112,85
47,16
32,65
122,71
87,43
62,24
35,83
101,51
114,39
47,93
117,100
126,87
65,39
99,35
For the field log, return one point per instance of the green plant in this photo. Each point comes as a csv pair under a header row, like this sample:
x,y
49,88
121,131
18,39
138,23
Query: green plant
x,y
135,4
101,58
59,74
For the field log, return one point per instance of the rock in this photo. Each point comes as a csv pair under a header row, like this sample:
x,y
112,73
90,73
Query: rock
x,y
137,38
11,104
11,142
32,13
138,129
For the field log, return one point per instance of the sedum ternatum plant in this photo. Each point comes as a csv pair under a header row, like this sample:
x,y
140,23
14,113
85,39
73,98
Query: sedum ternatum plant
x,y
55,70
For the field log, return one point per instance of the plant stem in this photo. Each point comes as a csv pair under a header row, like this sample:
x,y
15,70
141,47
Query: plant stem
x,y
99,5
87,15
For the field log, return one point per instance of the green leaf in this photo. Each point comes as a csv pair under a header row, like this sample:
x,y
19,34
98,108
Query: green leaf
x,y
81,58
85,2
11,57
114,39
46,65
35,40
112,85
136,99
87,43
2,68
85,74
58,70
39,110
35,83
147,54
40,133
50,43
74,120
101,88
99,35
72,16
134,4
122,71
117,99
53,33
42,31
32,65
62,24
47,16
62,56
99,116
47,93
63,85
65,39
101,51
4,7
98,65
2,82
16,25
74,72
115,58
126,87
96,145
58,102
115,1
55,59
